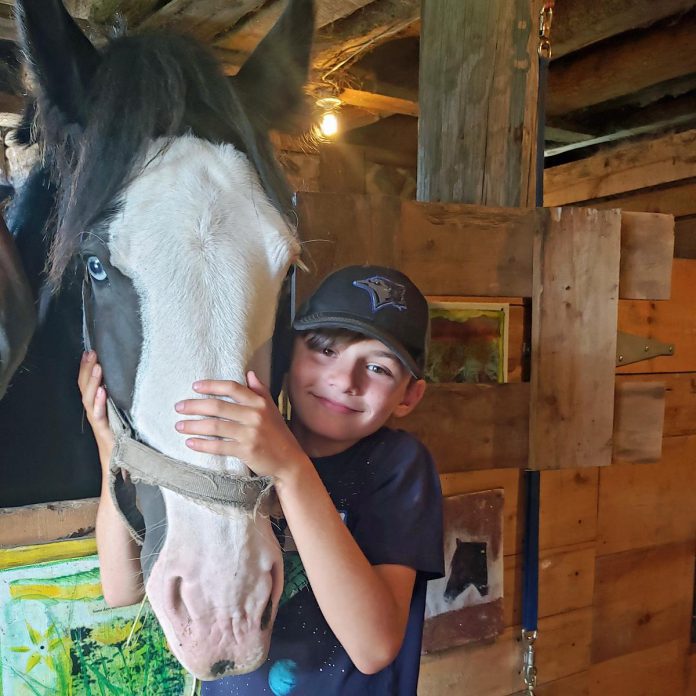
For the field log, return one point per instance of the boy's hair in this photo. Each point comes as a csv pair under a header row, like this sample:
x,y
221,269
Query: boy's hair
x,y
373,302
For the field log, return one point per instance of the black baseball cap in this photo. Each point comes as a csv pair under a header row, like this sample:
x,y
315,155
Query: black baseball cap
x,y
379,302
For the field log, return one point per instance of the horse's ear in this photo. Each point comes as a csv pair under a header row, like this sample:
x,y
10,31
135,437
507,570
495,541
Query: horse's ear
x,y
271,81
62,59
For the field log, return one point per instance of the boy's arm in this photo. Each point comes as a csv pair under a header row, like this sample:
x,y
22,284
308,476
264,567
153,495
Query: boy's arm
x,y
366,606
119,555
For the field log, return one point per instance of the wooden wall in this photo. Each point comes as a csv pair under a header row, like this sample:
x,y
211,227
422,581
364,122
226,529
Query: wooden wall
x,y
617,545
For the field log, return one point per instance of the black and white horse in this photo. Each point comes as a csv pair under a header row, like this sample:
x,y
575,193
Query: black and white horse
x,y
165,191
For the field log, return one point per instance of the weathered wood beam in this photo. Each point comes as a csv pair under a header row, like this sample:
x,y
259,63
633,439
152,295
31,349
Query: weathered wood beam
x,y
344,41
678,200
579,23
205,19
621,169
477,134
389,100
246,36
622,67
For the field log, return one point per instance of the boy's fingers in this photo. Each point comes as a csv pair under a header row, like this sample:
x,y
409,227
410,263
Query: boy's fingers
x,y
223,387
212,407
100,403
224,447
210,427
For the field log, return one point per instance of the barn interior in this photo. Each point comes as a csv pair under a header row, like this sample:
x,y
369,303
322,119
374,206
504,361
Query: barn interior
x,y
617,543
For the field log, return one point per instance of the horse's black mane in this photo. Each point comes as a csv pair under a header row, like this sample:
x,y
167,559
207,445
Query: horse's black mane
x,y
146,86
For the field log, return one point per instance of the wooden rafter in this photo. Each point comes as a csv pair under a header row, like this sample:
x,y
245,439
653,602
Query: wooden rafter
x,y
579,23
625,66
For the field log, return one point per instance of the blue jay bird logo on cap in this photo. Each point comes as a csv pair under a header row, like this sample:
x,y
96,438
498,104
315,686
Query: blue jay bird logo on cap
x,y
383,292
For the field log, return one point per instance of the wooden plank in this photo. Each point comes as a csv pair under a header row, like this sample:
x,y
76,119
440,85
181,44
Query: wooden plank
x,y
641,506
643,598
342,42
494,669
574,685
580,81
568,504
473,426
566,582
685,238
46,522
677,199
639,411
245,37
204,19
668,322
568,507
579,24
382,102
492,164
647,248
624,168
453,249
691,674
341,168
658,670
576,268
680,401
338,230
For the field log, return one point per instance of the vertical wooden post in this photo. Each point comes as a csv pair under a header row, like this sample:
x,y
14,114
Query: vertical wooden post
x,y
477,91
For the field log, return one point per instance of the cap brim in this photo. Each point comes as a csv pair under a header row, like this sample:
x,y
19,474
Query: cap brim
x,y
363,327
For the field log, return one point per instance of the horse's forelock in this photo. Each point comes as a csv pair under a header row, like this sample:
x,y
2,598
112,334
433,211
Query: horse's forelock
x,y
147,86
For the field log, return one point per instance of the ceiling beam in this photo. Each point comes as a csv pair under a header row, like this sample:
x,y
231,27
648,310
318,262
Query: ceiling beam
x,y
384,100
622,67
245,37
338,45
579,23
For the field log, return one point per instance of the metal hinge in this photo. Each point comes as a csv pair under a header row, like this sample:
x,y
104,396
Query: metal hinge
x,y
631,348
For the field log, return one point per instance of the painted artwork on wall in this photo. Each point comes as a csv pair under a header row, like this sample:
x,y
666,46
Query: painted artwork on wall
x,y
58,637
468,342
467,604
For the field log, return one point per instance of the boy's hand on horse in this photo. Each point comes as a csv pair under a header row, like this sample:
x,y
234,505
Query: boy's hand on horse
x,y
250,428
89,380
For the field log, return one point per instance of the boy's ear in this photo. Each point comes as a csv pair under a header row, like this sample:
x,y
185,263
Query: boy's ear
x,y
414,393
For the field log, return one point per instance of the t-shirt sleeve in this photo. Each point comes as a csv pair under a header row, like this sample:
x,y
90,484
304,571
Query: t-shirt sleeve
x,y
400,519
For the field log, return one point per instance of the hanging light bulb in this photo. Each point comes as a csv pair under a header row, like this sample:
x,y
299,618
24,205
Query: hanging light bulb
x,y
328,121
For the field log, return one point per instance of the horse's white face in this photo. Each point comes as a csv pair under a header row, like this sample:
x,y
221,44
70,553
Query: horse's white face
x,y
207,254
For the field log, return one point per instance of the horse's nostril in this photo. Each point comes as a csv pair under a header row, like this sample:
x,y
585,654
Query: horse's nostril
x,y
266,616
222,666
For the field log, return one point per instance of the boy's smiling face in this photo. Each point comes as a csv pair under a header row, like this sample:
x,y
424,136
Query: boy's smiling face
x,y
343,393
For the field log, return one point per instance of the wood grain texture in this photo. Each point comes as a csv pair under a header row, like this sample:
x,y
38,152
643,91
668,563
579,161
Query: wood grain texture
x,y
620,67
647,249
574,685
624,168
40,524
639,411
678,199
685,238
668,322
454,249
643,599
658,670
651,504
575,301
493,670
477,134
579,23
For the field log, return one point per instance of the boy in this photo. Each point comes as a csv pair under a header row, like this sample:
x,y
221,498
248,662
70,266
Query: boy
x,y
362,526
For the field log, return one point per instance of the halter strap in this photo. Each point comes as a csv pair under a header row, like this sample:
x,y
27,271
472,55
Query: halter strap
x,y
147,465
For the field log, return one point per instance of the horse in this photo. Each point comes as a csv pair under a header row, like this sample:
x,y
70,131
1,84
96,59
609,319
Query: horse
x,y
166,194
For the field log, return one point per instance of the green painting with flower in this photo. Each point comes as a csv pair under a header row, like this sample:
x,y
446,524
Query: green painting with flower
x,y
58,637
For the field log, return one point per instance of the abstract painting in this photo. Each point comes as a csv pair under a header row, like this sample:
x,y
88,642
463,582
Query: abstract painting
x,y
59,638
467,604
468,342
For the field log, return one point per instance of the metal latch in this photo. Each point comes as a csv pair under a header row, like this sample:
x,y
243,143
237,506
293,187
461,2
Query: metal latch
x,y
631,348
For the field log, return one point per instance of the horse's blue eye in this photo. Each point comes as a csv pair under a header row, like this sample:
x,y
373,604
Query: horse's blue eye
x,y
95,268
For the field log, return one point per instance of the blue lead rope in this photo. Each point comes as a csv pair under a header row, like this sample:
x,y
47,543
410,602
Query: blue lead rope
x,y
530,576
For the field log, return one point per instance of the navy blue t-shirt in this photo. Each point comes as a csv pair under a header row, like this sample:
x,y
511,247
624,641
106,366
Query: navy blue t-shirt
x,y
387,491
